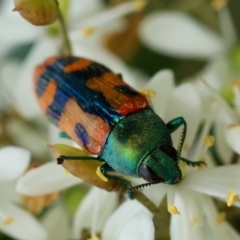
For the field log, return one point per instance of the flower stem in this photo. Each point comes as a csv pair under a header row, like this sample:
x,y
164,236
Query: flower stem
x,y
146,202
67,49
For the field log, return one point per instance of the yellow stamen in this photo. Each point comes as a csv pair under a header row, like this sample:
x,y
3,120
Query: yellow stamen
x,y
94,237
88,31
231,198
218,4
194,221
148,93
66,172
8,220
173,209
214,99
221,217
139,5
99,173
209,140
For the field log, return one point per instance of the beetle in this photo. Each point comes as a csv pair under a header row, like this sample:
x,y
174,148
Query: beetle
x,y
109,119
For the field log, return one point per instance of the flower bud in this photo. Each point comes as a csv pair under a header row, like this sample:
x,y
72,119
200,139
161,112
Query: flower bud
x,y
37,12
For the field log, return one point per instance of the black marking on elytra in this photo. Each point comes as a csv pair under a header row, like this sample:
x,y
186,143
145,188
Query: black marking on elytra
x,y
81,133
65,61
125,90
41,86
56,109
73,85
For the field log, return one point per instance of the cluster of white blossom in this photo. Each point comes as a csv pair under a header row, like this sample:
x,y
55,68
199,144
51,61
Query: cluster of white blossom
x,y
194,214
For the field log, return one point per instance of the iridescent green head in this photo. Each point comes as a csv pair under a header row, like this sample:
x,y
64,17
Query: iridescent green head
x,y
161,166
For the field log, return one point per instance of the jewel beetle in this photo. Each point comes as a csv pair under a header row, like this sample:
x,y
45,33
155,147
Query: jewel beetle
x,y
109,119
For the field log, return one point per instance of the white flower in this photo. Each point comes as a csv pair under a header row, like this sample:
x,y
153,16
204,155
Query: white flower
x,y
50,178
183,198
15,221
179,35
130,221
94,211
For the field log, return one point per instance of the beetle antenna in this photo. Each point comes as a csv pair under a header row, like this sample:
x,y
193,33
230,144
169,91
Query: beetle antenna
x,y
143,185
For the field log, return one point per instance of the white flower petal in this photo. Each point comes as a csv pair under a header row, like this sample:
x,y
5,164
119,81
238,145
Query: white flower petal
x,y
227,27
45,179
215,181
8,192
79,11
12,30
24,226
188,224
232,134
27,136
13,162
25,98
139,227
56,223
222,148
216,73
120,217
211,228
8,74
185,103
177,34
162,83
94,211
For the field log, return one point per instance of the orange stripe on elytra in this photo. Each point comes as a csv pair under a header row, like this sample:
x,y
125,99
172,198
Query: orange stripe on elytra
x,y
51,60
47,98
78,65
97,130
122,103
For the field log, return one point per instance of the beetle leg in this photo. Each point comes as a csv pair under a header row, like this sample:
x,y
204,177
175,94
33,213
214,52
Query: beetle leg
x,y
174,124
105,168
61,158
63,135
192,163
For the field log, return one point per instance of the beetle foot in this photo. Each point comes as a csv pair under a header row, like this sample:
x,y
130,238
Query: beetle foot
x,y
60,160
130,194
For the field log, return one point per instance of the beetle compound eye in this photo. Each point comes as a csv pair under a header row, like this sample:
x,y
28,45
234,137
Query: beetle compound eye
x,y
149,175
170,151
